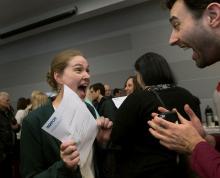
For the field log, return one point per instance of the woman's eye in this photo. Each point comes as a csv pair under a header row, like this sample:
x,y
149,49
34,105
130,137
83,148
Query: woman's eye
x,y
78,69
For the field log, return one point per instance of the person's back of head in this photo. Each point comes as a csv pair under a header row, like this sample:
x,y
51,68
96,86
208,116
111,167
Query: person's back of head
x,y
22,103
117,92
38,99
154,69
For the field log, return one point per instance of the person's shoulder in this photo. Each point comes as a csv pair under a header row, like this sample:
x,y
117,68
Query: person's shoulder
x,y
142,94
107,101
181,89
20,111
40,115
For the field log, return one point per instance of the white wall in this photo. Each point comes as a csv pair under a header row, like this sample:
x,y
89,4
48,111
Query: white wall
x,y
112,42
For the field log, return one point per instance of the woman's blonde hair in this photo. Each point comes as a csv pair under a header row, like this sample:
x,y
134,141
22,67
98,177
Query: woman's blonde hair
x,y
38,99
58,64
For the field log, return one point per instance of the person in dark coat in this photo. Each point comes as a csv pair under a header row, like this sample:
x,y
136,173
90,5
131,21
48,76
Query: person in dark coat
x,y
8,129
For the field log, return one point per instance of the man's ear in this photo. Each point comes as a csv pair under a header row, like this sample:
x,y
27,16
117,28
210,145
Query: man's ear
x,y
58,78
213,14
99,92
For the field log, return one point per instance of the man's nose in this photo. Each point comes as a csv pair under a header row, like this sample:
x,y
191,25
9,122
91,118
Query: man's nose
x,y
173,38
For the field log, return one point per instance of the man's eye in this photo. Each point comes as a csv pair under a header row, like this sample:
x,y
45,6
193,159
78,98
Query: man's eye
x,y
176,25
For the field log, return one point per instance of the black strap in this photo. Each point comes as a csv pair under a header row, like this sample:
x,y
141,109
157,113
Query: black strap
x,y
159,98
155,88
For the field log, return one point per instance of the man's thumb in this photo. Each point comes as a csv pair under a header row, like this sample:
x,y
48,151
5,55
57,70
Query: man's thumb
x,y
181,118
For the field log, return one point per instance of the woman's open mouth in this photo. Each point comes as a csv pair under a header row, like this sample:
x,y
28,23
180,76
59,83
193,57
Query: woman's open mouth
x,y
82,91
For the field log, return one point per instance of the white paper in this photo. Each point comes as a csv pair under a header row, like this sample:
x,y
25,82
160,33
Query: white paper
x,y
119,100
72,120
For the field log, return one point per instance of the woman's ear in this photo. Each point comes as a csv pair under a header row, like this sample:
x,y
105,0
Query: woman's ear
x,y
213,14
58,78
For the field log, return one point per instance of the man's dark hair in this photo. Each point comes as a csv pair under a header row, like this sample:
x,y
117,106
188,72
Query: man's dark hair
x,y
116,90
196,6
98,86
154,69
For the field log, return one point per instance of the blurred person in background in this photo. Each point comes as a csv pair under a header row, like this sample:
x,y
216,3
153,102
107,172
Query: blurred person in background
x,y
104,105
88,101
108,91
23,108
38,99
8,128
117,92
131,85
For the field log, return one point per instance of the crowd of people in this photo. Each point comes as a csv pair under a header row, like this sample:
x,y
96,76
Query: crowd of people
x,y
132,141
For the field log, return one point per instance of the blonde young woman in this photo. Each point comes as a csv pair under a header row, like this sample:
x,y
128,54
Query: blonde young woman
x,y
38,99
43,156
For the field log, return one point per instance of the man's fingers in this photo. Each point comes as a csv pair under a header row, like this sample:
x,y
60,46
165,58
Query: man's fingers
x,y
155,133
154,114
189,111
162,109
161,136
160,122
160,125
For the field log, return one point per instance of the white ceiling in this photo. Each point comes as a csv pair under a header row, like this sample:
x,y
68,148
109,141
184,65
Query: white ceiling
x,y
19,13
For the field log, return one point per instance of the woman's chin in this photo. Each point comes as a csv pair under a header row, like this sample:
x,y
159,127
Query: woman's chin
x,y
81,94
